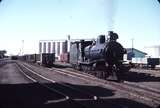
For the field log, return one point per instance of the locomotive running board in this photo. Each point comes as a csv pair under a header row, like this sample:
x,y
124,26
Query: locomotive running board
x,y
91,62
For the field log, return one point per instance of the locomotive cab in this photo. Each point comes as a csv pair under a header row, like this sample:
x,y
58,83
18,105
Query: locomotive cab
x,y
101,39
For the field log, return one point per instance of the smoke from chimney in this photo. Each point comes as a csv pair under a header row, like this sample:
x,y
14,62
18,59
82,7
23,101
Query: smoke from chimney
x,y
111,7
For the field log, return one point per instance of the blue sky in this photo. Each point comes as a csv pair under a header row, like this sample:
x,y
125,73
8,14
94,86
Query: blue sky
x,y
34,20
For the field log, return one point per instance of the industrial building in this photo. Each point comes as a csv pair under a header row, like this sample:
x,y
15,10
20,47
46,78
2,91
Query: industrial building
x,y
53,46
151,58
153,51
56,46
135,53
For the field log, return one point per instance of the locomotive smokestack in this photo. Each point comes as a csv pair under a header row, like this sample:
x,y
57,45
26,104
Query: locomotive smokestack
x,y
110,33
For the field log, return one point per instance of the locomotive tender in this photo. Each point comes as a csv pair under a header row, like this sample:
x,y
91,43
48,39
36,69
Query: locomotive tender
x,y
104,58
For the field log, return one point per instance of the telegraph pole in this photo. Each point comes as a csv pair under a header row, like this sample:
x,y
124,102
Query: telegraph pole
x,y
132,44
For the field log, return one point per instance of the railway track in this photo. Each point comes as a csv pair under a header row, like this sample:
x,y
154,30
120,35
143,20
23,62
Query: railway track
x,y
65,96
151,90
139,92
59,89
147,71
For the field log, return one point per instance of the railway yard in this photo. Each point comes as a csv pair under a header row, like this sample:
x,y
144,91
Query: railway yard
x,y
27,85
79,54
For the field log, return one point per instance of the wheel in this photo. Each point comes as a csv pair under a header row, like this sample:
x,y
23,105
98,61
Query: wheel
x,y
84,68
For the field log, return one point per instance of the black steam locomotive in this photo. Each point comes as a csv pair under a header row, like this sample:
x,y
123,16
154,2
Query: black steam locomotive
x,y
103,57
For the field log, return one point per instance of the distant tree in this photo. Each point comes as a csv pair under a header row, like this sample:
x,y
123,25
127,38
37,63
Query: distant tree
x,y
2,53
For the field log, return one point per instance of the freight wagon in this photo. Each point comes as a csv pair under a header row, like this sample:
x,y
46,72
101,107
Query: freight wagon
x,y
45,59
145,62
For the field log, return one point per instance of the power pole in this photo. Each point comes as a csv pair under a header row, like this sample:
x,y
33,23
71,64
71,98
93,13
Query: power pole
x,y
22,47
132,44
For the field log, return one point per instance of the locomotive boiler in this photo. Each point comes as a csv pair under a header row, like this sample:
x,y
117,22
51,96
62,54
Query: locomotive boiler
x,y
103,57
111,51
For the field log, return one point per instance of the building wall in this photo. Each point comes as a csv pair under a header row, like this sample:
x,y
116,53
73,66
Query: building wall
x,y
153,51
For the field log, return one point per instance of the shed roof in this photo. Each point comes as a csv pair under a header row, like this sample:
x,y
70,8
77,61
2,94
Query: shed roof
x,y
130,50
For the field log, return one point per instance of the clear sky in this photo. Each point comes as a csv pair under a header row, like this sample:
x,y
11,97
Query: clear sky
x,y
34,20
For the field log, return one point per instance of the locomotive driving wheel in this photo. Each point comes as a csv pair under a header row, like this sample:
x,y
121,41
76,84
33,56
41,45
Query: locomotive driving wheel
x,y
86,68
112,73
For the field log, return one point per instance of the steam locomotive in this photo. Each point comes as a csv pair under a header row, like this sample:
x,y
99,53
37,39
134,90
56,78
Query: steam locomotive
x,y
103,57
